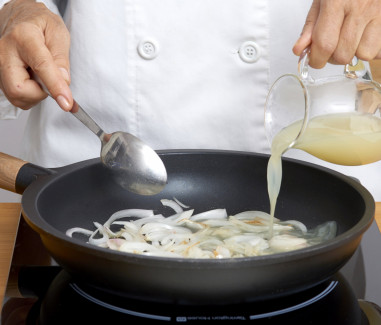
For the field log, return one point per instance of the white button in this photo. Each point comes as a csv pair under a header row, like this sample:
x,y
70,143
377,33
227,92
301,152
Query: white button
x,y
249,52
148,49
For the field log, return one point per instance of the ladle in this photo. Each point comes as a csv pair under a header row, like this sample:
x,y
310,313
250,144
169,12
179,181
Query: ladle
x,y
134,165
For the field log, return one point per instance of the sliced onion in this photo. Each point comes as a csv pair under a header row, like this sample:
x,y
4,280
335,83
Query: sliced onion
x,y
210,234
155,218
297,224
78,230
211,214
252,215
172,204
285,242
128,213
181,204
181,217
100,229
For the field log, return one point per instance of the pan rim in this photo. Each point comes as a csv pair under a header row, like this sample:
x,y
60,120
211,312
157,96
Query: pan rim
x,y
46,230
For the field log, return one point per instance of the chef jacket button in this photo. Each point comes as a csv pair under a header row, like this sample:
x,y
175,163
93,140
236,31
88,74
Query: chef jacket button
x,y
249,52
148,49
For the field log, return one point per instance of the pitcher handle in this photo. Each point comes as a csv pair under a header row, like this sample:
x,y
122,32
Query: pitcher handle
x,y
304,60
355,69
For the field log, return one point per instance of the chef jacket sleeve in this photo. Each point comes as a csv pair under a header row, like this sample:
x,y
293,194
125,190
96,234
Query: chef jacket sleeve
x,y
7,110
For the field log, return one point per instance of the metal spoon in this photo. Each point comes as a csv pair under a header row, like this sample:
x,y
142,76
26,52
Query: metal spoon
x,y
135,165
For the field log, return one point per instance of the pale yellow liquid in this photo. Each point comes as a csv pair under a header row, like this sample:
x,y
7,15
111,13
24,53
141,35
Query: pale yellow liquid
x,y
344,139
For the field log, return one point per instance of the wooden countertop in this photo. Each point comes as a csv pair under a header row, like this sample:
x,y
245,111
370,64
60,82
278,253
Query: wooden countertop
x,y
9,221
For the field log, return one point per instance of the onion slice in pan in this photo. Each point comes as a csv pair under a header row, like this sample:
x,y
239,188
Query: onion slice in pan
x,y
209,234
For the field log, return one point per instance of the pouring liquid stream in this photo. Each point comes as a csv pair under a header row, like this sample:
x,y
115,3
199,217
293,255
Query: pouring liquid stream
x,y
349,139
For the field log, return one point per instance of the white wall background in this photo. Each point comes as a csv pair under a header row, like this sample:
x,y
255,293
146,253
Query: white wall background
x,y
11,134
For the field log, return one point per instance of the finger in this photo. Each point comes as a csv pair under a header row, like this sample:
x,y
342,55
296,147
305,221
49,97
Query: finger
x,y
305,38
349,40
39,58
57,40
302,43
326,33
17,86
370,43
378,55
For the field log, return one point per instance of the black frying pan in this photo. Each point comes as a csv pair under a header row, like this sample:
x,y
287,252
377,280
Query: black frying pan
x,y
79,194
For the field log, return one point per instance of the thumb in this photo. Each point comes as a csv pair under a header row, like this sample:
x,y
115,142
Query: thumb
x,y
305,38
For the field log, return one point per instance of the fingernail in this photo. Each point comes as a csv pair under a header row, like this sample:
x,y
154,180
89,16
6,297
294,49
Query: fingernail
x,y
63,102
65,74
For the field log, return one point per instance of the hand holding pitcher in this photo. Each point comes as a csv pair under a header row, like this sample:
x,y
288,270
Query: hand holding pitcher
x,y
336,119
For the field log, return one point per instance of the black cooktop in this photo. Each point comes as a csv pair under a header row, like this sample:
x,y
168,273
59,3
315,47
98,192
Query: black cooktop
x,y
64,301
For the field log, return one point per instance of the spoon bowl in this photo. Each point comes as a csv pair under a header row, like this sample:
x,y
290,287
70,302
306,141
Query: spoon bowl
x,y
137,167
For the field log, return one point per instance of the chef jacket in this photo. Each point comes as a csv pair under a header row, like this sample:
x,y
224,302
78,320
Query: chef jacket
x,y
175,73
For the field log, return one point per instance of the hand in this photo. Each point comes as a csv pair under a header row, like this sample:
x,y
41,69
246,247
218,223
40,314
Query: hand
x,y
338,30
33,39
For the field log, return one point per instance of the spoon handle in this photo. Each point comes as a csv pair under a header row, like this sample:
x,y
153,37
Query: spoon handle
x,y
86,119
77,111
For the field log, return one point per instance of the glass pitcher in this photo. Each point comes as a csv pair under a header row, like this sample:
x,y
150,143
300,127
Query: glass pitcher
x,y
336,119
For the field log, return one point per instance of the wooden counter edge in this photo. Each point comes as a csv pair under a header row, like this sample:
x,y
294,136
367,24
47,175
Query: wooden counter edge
x,y
9,220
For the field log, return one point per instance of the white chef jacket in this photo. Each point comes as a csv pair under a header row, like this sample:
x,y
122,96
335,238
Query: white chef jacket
x,y
175,73
195,90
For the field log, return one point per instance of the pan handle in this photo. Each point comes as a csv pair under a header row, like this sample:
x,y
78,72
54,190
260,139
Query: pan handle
x,y
17,174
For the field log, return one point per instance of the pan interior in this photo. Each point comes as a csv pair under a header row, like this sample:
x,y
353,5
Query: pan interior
x,y
76,197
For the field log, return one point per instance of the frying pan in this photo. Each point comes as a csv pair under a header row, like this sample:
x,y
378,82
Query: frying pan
x,y
77,195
